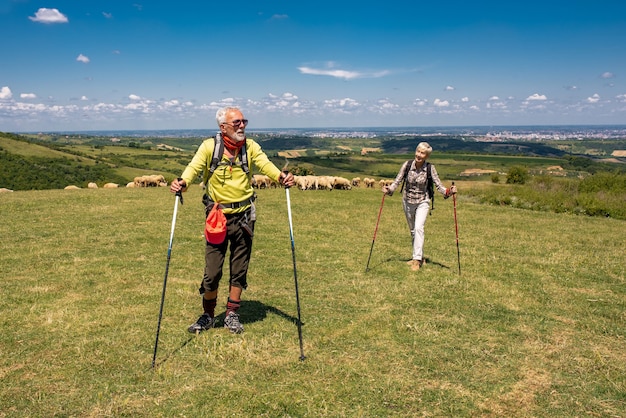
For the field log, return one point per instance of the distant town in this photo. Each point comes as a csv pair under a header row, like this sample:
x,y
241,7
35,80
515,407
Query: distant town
x,y
478,133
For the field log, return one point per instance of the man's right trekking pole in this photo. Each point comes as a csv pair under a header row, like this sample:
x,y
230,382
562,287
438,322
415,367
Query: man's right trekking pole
x,y
295,272
456,228
179,196
375,231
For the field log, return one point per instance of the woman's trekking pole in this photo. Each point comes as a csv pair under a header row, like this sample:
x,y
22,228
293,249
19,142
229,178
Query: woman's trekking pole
x,y
375,231
295,272
179,196
456,228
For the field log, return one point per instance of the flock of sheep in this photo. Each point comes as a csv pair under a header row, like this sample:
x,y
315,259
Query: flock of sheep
x,y
260,181
151,180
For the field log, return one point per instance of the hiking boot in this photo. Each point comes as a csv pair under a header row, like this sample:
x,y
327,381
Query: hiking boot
x,y
203,323
415,265
232,323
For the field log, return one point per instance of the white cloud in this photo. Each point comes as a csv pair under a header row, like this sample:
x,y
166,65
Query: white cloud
x,y
107,15
134,97
344,103
171,103
441,103
343,74
280,17
593,99
449,88
82,58
28,96
537,96
346,75
496,105
465,99
621,97
5,93
45,15
493,98
607,75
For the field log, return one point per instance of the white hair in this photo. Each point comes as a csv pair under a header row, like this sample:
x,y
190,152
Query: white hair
x,y
220,116
424,146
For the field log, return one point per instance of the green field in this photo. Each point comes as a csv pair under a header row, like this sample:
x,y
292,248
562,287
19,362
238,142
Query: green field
x,y
534,326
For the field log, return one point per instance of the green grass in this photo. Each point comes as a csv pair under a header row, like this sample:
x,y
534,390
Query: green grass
x,y
533,327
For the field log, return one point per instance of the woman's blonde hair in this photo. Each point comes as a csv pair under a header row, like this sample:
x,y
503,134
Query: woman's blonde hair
x,y
424,146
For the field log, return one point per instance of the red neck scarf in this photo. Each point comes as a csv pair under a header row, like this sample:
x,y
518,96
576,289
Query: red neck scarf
x,y
233,146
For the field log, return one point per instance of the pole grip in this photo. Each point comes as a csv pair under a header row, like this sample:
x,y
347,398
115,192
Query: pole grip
x,y
285,172
180,192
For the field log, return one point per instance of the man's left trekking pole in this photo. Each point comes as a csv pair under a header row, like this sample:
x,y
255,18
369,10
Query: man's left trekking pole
x,y
295,271
179,197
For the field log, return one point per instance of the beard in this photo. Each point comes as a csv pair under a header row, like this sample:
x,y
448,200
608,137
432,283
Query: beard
x,y
239,135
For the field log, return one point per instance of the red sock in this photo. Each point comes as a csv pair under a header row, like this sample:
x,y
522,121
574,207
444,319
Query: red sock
x,y
232,305
209,306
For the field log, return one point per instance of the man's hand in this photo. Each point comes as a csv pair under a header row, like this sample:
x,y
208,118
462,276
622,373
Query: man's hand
x,y
453,189
286,179
178,185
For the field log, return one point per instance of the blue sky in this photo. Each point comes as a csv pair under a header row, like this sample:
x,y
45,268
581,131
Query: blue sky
x,y
93,65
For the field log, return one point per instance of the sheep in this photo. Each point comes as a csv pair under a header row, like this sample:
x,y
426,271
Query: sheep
x,y
152,180
384,182
111,186
325,183
356,182
262,181
131,184
369,183
300,182
71,187
5,190
92,185
342,183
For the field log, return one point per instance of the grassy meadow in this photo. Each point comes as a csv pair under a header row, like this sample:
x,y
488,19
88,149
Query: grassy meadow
x,y
534,326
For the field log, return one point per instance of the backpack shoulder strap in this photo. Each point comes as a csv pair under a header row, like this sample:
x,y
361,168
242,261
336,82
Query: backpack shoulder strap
x,y
430,185
218,152
407,168
244,159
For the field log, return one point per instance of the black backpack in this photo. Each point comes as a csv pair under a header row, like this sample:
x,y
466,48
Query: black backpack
x,y
430,187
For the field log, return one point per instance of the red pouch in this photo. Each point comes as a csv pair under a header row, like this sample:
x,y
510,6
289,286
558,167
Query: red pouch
x,y
215,226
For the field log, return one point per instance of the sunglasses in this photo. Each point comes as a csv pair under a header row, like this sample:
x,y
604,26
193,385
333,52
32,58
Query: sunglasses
x,y
238,122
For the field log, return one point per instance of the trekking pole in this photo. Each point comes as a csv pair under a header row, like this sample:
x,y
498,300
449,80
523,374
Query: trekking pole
x,y
179,196
456,228
295,272
375,231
